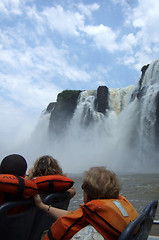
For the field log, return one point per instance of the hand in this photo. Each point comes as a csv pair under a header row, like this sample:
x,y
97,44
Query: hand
x,y
38,201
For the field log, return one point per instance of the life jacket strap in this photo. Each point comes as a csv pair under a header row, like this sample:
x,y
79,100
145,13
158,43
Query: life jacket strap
x,y
49,233
21,186
51,186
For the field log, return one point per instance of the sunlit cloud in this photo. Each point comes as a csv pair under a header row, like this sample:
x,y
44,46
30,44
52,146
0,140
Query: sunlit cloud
x,y
103,37
11,7
145,39
88,9
63,21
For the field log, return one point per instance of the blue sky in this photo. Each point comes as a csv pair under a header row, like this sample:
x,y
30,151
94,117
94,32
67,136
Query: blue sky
x,y
47,46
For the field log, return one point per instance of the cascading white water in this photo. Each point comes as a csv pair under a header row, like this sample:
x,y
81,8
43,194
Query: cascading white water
x,y
84,108
119,98
122,140
147,116
106,141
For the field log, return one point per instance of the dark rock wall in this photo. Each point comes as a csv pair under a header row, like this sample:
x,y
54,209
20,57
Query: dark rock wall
x,y
102,102
63,110
51,106
140,91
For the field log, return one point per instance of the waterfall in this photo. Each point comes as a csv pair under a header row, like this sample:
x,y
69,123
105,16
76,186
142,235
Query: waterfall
x,y
123,139
119,98
106,141
85,109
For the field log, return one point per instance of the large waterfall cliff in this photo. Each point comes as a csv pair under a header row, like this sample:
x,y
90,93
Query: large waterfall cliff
x,y
118,128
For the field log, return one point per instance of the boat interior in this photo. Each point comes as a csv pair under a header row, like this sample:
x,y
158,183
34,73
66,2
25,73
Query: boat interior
x,y
33,223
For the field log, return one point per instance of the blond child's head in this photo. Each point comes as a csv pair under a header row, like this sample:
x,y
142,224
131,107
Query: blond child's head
x,y
100,183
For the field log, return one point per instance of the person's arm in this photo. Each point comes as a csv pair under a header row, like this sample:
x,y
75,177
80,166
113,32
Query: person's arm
x,y
52,211
72,192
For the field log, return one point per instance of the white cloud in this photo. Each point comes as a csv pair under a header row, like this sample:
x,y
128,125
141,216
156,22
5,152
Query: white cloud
x,y
11,6
28,93
43,59
128,42
142,58
37,20
145,17
72,23
88,9
103,36
141,46
128,60
63,21
122,2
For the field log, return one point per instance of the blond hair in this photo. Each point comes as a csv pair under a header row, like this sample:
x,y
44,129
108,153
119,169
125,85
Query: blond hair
x,y
46,165
100,183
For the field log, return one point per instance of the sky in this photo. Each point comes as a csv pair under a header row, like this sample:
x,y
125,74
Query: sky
x,y
52,45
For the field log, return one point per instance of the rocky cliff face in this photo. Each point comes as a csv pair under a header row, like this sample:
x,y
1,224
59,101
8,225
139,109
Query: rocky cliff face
x,y
140,90
102,102
116,127
63,109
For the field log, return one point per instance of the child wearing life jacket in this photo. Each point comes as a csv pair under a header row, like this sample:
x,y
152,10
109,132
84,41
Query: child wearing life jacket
x,y
13,185
105,211
45,166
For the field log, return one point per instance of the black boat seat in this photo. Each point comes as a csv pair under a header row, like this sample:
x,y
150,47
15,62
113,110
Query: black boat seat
x,y
17,226
42,221
143,222
33,222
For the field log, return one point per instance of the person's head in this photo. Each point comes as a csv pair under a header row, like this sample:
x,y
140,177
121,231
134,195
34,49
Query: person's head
x,y
13,164
46,165
100,183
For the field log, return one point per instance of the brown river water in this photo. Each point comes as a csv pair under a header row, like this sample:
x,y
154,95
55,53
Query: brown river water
x,y
139,189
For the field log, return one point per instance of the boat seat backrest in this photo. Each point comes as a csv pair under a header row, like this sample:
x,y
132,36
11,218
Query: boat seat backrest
x,y
143,223
17,226
31,223
43,221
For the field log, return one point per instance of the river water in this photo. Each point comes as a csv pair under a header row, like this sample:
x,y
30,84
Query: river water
x,y
139,189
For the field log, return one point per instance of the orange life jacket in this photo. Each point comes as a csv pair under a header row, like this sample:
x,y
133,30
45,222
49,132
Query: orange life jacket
x,y
17,185
14,188
53,183
108,216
